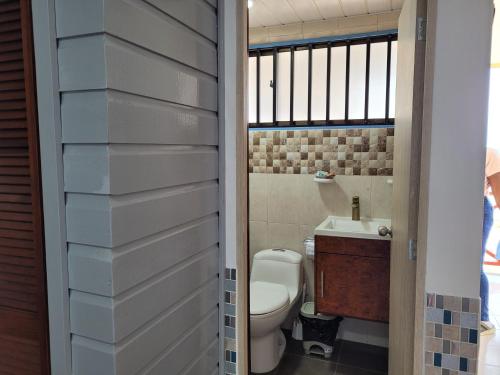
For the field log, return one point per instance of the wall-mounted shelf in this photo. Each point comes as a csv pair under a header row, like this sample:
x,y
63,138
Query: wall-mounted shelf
x,y
323,180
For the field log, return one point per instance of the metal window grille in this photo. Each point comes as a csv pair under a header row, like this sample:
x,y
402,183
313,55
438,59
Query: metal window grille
x,y
352,69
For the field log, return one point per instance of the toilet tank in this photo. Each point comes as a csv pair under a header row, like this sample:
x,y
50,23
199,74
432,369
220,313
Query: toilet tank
x,y
278,266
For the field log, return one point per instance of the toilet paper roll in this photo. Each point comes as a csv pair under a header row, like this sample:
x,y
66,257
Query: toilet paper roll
x,y
309,247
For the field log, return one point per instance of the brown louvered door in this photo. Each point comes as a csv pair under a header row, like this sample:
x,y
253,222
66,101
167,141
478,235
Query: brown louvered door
x,y
24,347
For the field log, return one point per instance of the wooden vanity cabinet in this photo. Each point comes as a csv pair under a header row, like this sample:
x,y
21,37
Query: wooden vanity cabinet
x,y
352,277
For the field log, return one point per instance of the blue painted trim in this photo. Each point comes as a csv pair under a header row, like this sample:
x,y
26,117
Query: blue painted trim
x,y
337,38
320,127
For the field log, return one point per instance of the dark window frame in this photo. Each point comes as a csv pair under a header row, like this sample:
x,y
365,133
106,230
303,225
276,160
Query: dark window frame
x,y
274,49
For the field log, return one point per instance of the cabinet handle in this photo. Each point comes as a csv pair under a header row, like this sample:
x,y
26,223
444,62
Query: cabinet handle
x,y
322,284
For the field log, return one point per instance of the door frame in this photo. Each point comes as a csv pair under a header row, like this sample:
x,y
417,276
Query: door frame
x,y
233,148
242,252
50,140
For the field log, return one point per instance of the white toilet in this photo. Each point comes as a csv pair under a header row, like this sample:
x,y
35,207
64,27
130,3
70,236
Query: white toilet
x,y
275,286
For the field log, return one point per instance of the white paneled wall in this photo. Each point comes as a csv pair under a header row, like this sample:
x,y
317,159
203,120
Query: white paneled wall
x,y
138,88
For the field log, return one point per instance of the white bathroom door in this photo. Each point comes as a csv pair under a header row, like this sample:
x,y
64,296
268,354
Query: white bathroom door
x,y
407,146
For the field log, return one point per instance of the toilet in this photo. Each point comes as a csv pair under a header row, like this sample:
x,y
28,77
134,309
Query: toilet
x,y
275,286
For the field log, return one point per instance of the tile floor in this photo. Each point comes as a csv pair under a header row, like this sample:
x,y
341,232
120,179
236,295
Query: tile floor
x,y
489,352
348,358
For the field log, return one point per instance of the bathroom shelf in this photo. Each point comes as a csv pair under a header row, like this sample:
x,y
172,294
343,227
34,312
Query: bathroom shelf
x,y
323,180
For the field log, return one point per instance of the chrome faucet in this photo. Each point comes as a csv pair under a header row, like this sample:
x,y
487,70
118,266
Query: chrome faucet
x,y
355,208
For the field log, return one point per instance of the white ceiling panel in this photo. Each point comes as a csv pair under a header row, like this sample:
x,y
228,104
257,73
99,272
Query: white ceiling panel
x,y
379,6
307,10
354,7
281,9
280,12
330,8
261,16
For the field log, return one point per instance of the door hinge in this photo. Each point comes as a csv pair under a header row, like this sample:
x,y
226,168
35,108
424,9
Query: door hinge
x,y
421,28
412,249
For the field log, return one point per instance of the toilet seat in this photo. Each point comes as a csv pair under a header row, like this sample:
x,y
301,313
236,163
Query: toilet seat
x,y
266,298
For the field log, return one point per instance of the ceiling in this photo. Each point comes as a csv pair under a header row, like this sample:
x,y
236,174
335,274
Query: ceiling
x,y
281,12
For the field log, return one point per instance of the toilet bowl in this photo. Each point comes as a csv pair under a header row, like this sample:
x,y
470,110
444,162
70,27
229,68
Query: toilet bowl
x,y
275,283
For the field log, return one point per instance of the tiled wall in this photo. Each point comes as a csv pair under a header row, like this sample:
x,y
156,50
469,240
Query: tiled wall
x,y
364,152
285,209
230,321
329,27
451,335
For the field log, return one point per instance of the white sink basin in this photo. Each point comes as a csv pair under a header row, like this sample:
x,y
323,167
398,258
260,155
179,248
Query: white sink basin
x,y
346,227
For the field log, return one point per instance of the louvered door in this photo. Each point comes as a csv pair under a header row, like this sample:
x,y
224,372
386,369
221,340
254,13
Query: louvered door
x,y
23,308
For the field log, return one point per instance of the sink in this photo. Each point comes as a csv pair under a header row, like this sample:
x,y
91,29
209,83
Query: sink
x,y
338,226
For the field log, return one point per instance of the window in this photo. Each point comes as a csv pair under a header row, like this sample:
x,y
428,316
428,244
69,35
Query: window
x,y
330,82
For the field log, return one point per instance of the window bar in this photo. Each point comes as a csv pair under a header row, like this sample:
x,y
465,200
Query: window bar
x,y
309,83
347,70
258,87
367,77
275,83
328,77
292,65
388,80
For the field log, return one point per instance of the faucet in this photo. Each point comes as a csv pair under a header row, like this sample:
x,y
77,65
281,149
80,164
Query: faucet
x,y
355,208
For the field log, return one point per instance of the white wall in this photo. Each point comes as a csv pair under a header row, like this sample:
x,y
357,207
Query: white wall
x,y
454,147
494,110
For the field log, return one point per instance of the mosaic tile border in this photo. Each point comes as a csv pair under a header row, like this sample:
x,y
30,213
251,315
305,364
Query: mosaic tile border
x,y
451,335
230,321
356,151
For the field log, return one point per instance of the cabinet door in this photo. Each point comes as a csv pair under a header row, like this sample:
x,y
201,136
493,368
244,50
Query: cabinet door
x,y
352,286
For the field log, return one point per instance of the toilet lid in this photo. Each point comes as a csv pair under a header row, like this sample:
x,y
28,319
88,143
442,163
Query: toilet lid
x,y
267,297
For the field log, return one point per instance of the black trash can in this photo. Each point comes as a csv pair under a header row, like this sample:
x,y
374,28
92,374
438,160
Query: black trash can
x,y
319,332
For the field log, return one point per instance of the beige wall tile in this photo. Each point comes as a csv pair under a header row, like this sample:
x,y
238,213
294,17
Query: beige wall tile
x,y
258,237
358,22
258,35
345,187
258,196
284,236
381,197
389,18
285,38
284,30
316,201
283,198
319,28
356,30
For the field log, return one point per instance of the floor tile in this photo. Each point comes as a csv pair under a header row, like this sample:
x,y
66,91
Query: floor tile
x,y
368,357
295,347
300,365
348,370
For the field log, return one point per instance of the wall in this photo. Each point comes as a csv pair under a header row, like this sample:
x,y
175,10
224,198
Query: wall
x,y
233,160
285,204
138,86
329,27
353,151
457,176
285,209
451,201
